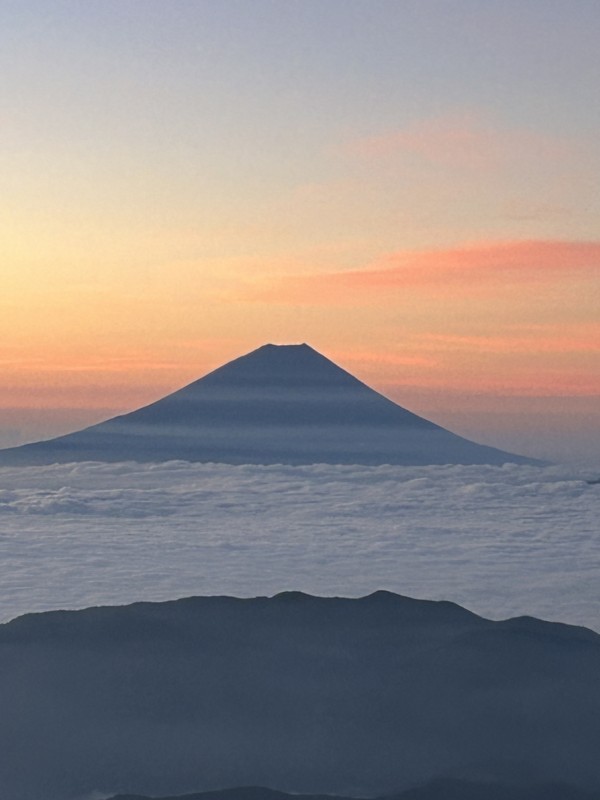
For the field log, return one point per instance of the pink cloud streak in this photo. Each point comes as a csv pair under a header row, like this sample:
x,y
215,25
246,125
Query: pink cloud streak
x,y
466,269
460,140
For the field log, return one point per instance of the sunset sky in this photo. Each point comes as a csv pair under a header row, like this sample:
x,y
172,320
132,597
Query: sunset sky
x,y
410,186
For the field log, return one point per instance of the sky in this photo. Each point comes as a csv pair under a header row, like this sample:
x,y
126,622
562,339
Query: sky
x,y
410,186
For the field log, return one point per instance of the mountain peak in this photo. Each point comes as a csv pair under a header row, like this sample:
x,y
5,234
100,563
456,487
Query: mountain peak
x,y
287,346
272,348
280,403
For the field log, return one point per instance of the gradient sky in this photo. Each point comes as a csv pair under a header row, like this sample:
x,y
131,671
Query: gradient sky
x,y
411,186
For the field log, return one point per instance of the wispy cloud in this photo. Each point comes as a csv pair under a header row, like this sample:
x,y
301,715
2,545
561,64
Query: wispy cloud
x,y
481,267
569,339
465,140
508,381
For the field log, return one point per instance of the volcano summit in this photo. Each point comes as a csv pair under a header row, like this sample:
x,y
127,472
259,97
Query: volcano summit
x,y
283,404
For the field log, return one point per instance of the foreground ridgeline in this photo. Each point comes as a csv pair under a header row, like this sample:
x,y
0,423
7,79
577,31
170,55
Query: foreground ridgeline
x,y
282,404
362,697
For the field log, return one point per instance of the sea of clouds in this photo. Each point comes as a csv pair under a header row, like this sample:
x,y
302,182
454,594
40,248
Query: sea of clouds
x,y
502,541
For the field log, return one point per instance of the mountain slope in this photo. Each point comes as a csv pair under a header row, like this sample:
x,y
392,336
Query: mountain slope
x,y
279,404
342,696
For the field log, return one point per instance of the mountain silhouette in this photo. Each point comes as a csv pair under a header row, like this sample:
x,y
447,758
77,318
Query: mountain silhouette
x,y
441,789
278,404
355,697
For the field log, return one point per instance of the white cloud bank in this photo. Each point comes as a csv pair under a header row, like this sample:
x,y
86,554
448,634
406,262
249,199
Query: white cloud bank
x,y
500,540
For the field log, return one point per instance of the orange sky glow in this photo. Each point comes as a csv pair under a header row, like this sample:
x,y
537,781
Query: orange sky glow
x,y
180,190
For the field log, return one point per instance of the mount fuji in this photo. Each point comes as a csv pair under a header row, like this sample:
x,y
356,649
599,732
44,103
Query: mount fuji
x,y
284,404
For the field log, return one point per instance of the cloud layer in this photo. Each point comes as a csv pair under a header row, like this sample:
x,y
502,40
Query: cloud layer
x,y
501,541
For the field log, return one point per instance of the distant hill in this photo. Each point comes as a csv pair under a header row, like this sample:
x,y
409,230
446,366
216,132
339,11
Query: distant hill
x,y
354,697
279,404
443,789
243,793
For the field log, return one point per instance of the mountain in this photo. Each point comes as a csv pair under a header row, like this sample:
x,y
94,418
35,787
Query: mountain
x,y
279,404
242,793
355,697
443,789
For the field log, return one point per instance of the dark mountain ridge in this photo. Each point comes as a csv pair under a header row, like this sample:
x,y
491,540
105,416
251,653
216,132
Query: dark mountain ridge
x,y
441,789
278,404
354,697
